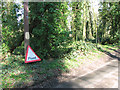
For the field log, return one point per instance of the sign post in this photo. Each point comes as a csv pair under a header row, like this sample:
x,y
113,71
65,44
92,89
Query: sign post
x,y
26,25
30,55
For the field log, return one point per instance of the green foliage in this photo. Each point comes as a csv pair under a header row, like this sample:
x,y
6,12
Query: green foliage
x,y
19,50
83,46
12,30
76,23
49,38
49,33
109,26
15,73
48,27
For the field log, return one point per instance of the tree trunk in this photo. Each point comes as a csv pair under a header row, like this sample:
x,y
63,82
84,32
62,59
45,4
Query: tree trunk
x,y
95,24
26,26
90,31
84,23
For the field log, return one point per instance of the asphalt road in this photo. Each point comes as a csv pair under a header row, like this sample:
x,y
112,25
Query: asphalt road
x,y
103,77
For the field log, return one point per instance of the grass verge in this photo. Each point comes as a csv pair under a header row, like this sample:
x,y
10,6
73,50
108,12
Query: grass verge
x,y
15,73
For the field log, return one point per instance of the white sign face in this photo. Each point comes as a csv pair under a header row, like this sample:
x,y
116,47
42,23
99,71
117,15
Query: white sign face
x,y
27,36
31,56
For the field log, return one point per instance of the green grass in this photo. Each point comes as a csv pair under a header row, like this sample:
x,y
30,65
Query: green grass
x,y
109,48
15,73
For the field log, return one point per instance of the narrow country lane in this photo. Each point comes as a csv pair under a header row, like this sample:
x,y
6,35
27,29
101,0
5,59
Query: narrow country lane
x,y
104,77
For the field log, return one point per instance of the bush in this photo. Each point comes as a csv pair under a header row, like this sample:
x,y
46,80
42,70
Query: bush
x,y
83,46
48,28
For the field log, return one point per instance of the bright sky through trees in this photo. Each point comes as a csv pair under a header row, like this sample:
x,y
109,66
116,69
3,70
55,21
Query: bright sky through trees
x,y
94,4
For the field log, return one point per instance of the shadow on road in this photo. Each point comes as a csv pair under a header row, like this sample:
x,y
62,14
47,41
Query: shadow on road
x,y
115,50
69,85
110,54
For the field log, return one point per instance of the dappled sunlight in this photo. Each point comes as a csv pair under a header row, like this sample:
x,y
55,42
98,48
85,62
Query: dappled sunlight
x,y
109,52
67,48
18,74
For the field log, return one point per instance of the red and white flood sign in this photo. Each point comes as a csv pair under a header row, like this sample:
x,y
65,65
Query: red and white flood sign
x,y
31,56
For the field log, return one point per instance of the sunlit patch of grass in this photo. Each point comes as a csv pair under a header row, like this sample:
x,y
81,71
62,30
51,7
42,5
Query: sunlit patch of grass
x,y
109,48
16,73
94,51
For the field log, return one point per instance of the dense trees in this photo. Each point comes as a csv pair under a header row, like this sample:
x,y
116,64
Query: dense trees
x,y
48,27
109,24
12,30
76,23
49,31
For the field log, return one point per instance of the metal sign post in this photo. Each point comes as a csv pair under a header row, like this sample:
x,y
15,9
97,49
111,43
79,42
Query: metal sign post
x,y
26,26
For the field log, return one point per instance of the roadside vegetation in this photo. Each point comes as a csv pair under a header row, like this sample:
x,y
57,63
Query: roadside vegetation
x,y
62,44
15,73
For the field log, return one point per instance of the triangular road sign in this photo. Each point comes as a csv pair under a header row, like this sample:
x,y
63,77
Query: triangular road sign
x,y
31,56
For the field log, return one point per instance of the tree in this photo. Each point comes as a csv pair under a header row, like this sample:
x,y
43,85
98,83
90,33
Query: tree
x,y
109,15
90,36
48,27
12,30
76,20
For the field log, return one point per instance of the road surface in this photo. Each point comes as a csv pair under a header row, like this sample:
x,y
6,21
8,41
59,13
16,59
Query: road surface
x,y
104,77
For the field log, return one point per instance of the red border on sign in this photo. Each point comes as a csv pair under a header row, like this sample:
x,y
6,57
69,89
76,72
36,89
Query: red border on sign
x,y
27,54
